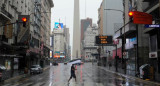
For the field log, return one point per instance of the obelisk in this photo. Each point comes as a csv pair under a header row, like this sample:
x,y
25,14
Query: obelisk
x,y
76,51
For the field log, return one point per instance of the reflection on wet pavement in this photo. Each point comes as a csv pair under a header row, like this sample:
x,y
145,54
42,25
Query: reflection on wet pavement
x,y
87,75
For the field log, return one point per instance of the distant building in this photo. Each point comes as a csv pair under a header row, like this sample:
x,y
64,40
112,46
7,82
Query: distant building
x,y
84,25
100,19
89,47
67,43
59,43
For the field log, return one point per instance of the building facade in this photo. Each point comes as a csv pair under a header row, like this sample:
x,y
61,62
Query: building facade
x,y
100,19
59,44
89,47
84,25
67,43
139,43
20,44
45,31
110,19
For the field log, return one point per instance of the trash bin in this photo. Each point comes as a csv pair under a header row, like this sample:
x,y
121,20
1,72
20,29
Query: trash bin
x,y
145,71
152,73
2,70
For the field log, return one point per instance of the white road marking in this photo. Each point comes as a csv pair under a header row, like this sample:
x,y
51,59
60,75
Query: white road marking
x,y
100,84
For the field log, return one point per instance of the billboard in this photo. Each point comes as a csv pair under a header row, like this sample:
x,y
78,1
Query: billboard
x,y
104,40
58,25
51,55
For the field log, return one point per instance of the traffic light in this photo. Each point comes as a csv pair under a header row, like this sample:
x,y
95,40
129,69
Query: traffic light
x,y
24,19
131,13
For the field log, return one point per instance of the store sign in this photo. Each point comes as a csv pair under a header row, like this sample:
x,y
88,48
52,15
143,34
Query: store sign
x,y
8,30
142,18
116,41
153,55
152,26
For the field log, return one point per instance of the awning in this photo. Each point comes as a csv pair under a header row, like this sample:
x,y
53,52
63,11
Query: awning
x,y
8,55
119,53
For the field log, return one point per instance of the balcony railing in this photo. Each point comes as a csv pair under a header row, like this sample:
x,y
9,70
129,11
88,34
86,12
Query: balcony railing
x,y
5,12
151,4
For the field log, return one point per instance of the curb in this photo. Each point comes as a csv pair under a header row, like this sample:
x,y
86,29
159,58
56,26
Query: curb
x,y
46,68
21,76
131,77
16,77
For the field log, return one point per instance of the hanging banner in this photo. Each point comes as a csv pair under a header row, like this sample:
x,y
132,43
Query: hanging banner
x,y
8,30
142,18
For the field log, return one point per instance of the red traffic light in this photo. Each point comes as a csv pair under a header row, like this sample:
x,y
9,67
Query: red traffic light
x,y
130,14
24,19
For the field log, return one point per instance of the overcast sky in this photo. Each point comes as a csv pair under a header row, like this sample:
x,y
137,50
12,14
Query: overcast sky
x,y
63,10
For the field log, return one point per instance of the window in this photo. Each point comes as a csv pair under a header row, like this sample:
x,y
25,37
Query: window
x,y
153,43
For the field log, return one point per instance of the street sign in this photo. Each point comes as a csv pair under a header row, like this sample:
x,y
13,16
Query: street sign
x,y
142,18
0,74
103,39
152,26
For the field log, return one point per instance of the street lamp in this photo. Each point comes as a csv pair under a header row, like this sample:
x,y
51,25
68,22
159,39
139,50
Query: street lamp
x,y
123,42
115,10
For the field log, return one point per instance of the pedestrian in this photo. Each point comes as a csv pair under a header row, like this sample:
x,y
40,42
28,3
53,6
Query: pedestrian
x,y
110,64
72,73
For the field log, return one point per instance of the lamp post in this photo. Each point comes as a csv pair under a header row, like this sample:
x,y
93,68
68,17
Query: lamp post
x,y
123,40
115,10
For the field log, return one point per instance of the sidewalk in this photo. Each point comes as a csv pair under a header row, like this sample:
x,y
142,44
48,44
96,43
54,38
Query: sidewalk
x,y
18,77
126,76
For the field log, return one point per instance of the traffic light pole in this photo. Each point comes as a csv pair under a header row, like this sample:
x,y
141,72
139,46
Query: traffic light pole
x,y
10,23
116,58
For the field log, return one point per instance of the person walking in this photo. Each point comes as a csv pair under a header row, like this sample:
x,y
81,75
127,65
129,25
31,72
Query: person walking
x,y
72,73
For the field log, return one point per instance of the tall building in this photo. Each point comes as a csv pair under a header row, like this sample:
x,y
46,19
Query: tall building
x,y
67,42
45,31
100,19
76,51
22,44
59,43
109,17
84,25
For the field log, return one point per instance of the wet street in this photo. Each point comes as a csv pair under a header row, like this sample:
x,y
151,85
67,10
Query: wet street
x,y
87,75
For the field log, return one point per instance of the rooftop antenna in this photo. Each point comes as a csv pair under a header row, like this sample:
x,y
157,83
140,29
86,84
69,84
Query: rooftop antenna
x,y
65,20
85,8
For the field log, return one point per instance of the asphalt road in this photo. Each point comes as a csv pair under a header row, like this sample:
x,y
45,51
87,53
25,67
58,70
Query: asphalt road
x,y
87,75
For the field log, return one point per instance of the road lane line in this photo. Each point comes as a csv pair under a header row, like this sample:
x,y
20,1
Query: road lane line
x,y
100,84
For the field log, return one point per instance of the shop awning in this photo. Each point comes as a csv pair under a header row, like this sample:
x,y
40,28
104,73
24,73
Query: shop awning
x,y
119,53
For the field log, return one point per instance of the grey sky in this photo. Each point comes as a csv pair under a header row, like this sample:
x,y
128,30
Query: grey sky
x,y
63,10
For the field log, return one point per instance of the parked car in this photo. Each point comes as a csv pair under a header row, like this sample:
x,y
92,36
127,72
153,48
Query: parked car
x,y
144,71
65,63
2,70
36,69
55,63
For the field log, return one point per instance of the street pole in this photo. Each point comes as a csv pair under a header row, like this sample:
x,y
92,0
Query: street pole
x,y
116,57
158,40
137,55
123,41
